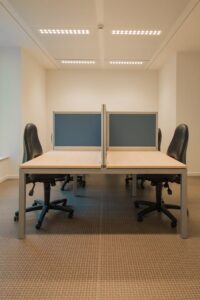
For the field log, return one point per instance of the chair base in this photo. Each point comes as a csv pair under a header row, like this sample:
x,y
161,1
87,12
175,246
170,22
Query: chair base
x,y
157,206
60,205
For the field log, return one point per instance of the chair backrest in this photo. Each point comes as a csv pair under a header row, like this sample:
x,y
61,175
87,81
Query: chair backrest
x,y
178,146
159,138
32,146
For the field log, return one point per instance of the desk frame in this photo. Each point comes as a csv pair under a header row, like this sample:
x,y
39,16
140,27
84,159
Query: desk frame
x,y
134,171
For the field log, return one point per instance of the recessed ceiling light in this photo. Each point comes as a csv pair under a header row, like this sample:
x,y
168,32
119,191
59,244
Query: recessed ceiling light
x,y
65,31
136,32
126,62
78,62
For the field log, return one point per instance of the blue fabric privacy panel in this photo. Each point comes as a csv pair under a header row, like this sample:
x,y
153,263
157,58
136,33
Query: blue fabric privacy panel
x,y
77,129
132,130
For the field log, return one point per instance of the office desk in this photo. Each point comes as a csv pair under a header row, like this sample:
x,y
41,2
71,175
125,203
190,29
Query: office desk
x,y
89,162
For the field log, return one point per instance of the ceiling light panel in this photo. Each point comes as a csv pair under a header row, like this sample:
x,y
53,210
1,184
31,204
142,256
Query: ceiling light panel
x,y
137,32
126,62
64,31
78,62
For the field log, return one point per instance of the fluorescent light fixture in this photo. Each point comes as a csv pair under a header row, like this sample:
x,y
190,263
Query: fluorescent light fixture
x,y
126,62
65,31
78,62
136,32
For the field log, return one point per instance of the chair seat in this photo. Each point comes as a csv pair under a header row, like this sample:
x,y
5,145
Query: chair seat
x,y
45,177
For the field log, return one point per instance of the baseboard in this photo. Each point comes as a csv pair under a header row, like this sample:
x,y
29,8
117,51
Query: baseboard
x,y
2,179
193,173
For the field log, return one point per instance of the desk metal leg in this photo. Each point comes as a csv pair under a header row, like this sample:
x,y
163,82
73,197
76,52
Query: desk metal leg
x,y
134,185
184,220
75,185
22,203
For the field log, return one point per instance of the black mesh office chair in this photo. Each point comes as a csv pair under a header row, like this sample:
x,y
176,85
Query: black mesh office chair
x,y
32,149
177,150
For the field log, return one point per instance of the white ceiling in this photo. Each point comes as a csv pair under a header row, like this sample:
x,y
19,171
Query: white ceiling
x,y
21,19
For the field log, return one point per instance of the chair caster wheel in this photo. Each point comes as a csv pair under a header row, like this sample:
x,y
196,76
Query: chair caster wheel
x,y
70,214
38,225
136,205
16,218
139,218
173,224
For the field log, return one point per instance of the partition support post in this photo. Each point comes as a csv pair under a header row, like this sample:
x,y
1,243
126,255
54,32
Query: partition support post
x,y
103,135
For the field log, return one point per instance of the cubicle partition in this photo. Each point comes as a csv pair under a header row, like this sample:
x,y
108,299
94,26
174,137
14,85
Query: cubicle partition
x,y
132,130
104,131
77,130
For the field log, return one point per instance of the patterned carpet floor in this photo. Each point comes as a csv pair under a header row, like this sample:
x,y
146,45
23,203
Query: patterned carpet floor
x,y
102,252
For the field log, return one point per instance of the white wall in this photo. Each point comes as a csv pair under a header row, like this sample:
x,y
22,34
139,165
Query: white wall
x,y
88,90
179,102
22,100
167,101
34,108
188,104
10,110
4,169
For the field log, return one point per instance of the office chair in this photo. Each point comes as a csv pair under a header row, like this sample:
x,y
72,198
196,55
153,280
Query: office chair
x,y
177,150
32,149
142,177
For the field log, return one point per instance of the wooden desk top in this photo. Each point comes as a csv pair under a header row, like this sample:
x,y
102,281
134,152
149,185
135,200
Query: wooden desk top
x,y
92,160
141,159
66,159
